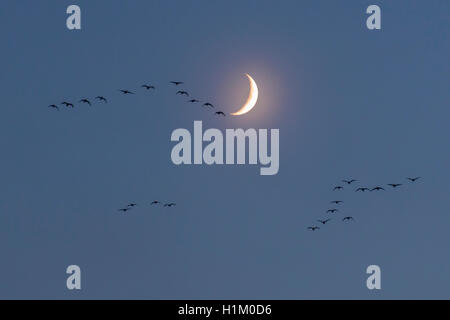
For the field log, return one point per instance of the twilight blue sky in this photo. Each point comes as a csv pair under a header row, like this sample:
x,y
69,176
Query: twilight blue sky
x,y
349,103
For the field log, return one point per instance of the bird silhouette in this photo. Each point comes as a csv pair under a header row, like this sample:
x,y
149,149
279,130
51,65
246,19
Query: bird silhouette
x,y
146,86
126,92
207,104
177,83
132,205
332,210
394,185
413,179
220,113
323,221
347,218
85,101
363,189
314,228
377,189
155,202
338,188
54,106
124,209
170,204
349,181
182,92
194,101
67,104
101,99
336,201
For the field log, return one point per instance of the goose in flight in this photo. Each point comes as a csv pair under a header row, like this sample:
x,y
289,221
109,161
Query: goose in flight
x,y
132,205
124,209
54,106
377,189
126,92
170,204
347,218
85,101
177,83
314,228
394,185
101,99
338,188
182,92
349,181
207,104
194,101
220,113
413,179
336,201
323,221
67,104
155,202
332,210
363,189
148,87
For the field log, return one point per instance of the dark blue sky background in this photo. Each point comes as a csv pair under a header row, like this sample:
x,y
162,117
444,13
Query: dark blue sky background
x,y
349,103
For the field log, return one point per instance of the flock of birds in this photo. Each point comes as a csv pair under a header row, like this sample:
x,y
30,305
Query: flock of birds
x,y
155,202
102,99
183,92
359,189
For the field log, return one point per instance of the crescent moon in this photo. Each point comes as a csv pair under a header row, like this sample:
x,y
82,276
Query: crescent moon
x,y
251,100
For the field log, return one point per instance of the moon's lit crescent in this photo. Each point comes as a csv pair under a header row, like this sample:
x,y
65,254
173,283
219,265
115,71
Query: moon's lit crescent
x,y
251,100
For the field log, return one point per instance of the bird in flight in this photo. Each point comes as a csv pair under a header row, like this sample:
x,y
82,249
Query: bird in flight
x,y
146,86
314,228
413,179
377,189
177,83
67,104
220,113
54,106
126,92
336,201
194,100
182,92
347,218
332,210
207,104
124,209
363,189
132,205
169,204
338,188
324,221
349,181
101,99
394,185
155,202
85,101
